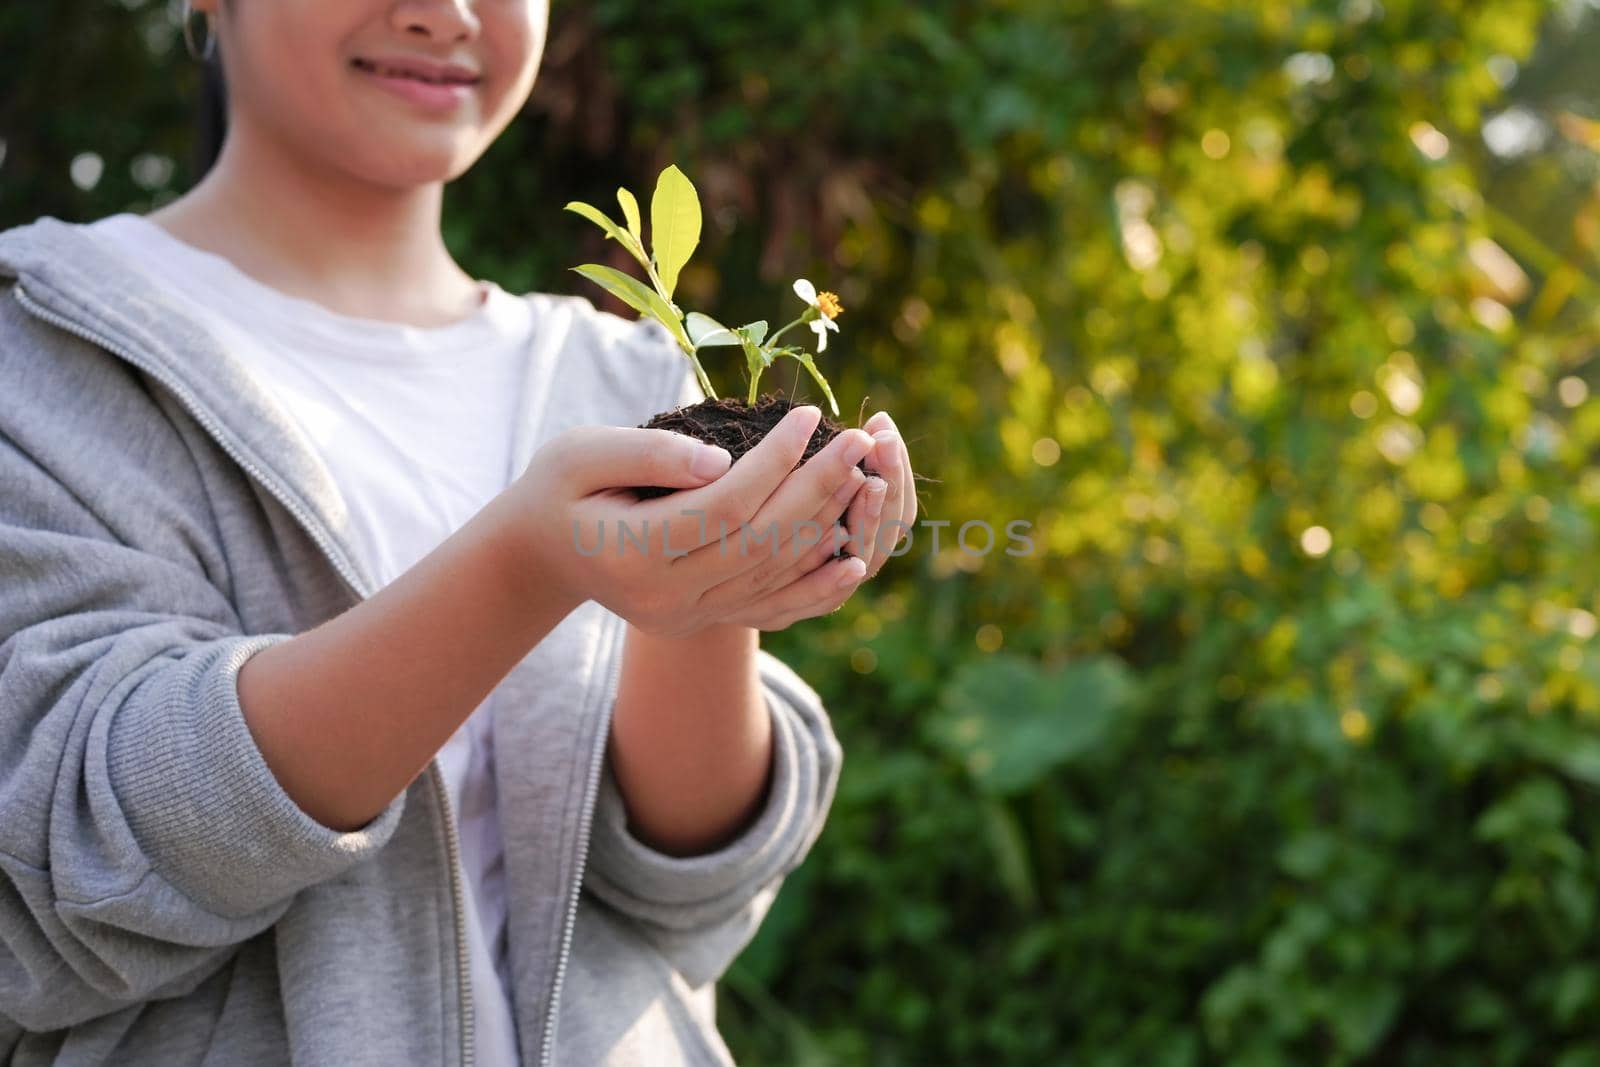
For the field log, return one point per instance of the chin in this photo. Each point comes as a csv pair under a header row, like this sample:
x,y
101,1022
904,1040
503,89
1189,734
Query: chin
x,y
403,165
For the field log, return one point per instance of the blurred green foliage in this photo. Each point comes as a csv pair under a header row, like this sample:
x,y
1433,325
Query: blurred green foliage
x,y
1281,747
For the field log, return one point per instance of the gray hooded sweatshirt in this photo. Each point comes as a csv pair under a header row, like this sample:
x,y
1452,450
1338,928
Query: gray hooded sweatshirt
x,y
162,900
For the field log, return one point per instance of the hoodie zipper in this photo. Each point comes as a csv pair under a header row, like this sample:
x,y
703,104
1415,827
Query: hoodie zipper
x,y
591,792
452,846
351,580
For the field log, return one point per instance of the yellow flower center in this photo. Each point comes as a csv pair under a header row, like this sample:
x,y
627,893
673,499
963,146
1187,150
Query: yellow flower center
x,y
828,304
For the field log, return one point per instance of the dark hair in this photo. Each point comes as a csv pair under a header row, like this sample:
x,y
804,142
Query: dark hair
x,y
211,124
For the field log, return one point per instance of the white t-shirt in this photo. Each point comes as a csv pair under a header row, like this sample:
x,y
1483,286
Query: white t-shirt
x,y
415,426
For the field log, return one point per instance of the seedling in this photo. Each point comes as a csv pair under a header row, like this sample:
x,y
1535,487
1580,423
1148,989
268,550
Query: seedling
x,y
674,235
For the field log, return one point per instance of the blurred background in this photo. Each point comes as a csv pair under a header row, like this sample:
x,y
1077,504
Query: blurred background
x,y
1279,321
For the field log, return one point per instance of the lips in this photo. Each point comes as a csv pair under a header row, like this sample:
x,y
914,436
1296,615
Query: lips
x,y
420,70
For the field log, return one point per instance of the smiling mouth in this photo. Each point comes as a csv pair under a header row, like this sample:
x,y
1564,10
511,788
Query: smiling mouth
x,y
397,72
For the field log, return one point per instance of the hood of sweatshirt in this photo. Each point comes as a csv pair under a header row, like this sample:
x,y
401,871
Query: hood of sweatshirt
x,y
91,290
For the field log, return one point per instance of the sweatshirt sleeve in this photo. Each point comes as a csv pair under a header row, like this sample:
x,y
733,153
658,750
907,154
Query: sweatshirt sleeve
x,y
143,835
701,911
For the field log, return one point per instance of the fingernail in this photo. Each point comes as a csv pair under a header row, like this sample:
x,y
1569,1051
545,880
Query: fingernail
x,y
852,572
851,484
710,462
856,449
885,437
877,493
808,414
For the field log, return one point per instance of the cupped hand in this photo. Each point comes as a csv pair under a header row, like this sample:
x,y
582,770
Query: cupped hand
x,y
897,513
729,539
881,512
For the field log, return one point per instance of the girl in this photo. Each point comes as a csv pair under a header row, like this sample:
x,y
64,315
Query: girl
x,y
321,741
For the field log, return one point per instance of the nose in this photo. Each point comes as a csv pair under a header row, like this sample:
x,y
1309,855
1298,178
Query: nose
x,y
446,21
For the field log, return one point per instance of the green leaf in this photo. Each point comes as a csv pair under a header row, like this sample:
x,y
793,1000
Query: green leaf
x,y
629,290
756,358
822,383
638,296
1309,853
1009,849
1362,1011
602,220
1577,990
706,331
630,211
674,225
1011,723
598,217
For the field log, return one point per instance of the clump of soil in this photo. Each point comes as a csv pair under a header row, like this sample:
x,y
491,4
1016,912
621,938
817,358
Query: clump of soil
x,y
738,427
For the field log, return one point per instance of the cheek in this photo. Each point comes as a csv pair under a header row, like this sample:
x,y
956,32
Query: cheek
x,y
281,87
333,115
514,45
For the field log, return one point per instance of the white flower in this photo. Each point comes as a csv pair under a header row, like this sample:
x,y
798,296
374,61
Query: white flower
x,y
827,307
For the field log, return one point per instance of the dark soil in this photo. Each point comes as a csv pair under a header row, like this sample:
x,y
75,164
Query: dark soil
x,y
738,427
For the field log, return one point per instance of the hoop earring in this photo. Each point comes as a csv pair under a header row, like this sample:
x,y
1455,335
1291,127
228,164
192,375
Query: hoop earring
x,y
186,20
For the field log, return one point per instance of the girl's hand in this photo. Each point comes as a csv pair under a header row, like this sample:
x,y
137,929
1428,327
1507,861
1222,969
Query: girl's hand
x,y
880,514
897,513
710,552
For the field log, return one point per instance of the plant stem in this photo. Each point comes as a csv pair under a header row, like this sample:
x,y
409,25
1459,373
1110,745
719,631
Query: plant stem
x,y
694,360
773,340
655,280
700,376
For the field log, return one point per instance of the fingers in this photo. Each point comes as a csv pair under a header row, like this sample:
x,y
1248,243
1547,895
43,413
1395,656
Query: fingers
x,y
891,459
816,540
824,485
590,459
865,520
908,514
829,480
820,539
822,591
886,456
741,492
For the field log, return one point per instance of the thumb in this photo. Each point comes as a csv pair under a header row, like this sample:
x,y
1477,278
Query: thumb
x,y
594,458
